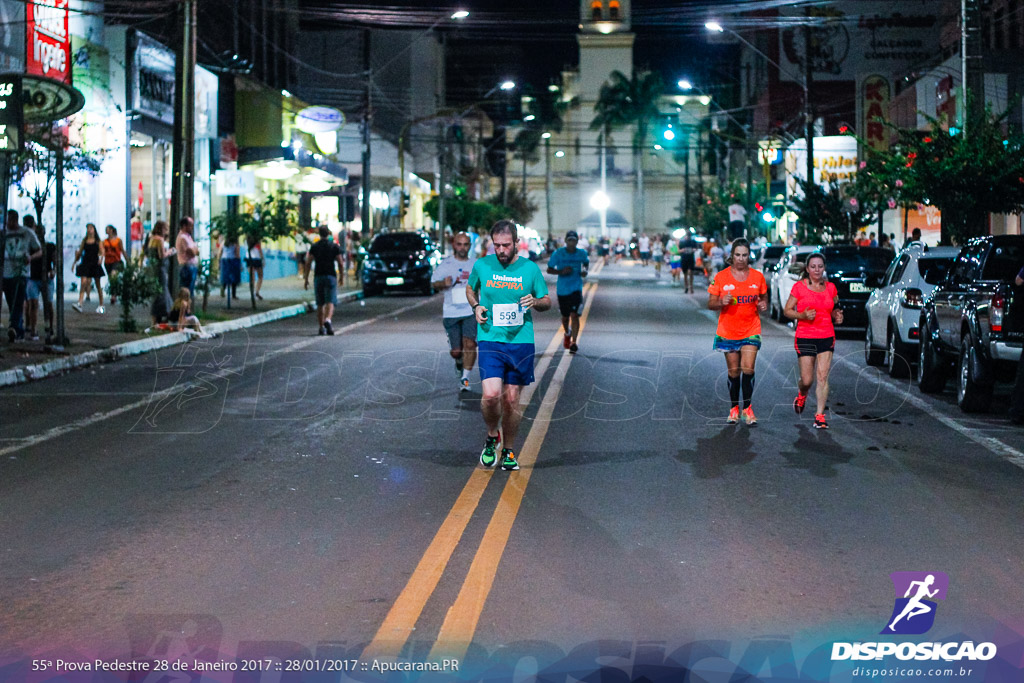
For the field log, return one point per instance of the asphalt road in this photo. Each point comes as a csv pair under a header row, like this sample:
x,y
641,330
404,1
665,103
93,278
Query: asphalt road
x,y
274,495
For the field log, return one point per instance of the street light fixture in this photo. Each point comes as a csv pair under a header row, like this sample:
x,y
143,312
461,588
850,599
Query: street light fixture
x,y
716,27
545,136
685,84
461,14
508,85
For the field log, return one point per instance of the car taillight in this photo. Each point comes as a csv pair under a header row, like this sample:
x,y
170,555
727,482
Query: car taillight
x,y
912,298
996,310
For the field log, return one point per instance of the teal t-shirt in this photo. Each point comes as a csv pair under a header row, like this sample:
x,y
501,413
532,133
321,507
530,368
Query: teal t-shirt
x,y
500,285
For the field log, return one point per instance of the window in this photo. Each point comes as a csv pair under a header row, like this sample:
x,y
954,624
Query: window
x,y
1003,262
596,11
613,10
895,272
933,270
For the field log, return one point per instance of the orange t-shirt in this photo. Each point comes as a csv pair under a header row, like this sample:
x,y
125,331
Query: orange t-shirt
x,y
740,319
112,250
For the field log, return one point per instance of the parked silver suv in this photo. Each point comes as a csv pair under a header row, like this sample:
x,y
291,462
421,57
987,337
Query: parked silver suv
x,y
894,309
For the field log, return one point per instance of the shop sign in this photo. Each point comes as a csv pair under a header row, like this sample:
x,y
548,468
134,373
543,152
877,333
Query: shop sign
x,y
319,120
46,100
232,183
153,79
875,91
48,43
10,113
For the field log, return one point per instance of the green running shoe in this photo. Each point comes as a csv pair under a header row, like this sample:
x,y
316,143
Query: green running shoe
x,y
489,454
508,460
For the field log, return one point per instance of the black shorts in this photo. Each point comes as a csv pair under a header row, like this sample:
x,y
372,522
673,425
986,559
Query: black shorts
x,y
812,347
570,303
688,262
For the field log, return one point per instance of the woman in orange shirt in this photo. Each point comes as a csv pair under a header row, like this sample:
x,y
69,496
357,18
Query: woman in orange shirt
x,y
740,294
113,256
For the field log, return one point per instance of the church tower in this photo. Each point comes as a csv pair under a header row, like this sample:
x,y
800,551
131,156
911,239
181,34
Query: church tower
x,y
606,44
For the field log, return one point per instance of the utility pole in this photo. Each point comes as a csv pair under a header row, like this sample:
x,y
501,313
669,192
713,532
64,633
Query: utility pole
x,y
183,154
808,108
972,76
442,219
367,137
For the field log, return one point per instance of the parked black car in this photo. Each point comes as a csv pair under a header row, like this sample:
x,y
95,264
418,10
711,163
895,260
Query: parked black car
x,y
400,261
856,272
973,323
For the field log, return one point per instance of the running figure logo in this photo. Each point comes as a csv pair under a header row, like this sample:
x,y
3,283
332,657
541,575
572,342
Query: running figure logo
x,y
914,612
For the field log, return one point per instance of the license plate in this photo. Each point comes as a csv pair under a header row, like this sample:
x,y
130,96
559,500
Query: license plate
x,y
392,281
858,288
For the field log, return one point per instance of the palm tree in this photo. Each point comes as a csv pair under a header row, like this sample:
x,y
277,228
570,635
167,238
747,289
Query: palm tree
x,y
632,101
546,111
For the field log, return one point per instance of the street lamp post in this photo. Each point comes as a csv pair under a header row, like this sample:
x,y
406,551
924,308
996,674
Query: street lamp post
x,y
805,80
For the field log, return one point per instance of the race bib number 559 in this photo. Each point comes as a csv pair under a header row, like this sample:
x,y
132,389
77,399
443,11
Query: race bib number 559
x,y
507,315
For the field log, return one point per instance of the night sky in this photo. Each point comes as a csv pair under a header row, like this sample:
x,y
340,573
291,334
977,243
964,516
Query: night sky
x,y
532,41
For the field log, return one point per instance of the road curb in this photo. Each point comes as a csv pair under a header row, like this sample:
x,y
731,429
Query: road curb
x,y
31,373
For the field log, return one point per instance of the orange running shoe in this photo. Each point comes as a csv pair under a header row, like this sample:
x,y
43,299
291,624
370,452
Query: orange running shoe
x,y
799,402
819,421
734,415
748,416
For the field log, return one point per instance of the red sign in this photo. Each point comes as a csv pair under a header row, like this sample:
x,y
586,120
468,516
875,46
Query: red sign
x,y
141,195
48,43
876,112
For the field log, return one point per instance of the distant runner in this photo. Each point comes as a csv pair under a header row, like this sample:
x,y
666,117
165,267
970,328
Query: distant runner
x,y
452,275
570,264
503,291
741,294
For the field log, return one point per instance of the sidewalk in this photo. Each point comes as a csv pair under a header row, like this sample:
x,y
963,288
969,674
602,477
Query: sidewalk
x,y
95,337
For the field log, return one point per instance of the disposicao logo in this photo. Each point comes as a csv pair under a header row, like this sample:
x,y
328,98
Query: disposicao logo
x,y
913,613
914,610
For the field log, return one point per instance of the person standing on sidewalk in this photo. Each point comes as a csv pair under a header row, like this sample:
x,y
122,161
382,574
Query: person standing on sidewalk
x,y
503,291
188,255
254,261
570,264
325,254
40,284
90,270
451,275
159,259
20,246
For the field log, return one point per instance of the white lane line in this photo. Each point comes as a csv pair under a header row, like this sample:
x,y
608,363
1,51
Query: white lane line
x,y
96,418
990,443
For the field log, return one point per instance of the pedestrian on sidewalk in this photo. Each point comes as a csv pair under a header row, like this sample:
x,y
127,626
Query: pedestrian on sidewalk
x,y
814,304
188,254
451,276
19,246
89,269
40,284
254,261
324,255
303,241
159,255
503,292
113,257
230,268
570,264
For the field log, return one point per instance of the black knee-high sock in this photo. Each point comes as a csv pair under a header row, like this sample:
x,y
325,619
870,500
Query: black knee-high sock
x,y
748,389
734,391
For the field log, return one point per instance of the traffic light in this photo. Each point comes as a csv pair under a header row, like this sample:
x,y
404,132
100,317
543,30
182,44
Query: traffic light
x,y
669,130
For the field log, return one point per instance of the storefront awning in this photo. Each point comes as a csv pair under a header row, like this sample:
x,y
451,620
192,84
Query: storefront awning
x,y
303,158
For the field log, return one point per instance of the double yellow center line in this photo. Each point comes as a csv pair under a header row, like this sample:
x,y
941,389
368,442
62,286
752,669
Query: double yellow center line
x,y
462,617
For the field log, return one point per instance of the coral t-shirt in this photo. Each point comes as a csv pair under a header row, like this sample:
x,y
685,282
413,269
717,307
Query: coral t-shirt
x,y
740,319
823,303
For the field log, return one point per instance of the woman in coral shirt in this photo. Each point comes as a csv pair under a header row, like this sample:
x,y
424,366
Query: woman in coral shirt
x,y
814,304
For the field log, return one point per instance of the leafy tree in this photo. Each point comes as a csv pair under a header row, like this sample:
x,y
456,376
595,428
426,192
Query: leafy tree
x,y
547,110
827,215
631,101
34,169
134,285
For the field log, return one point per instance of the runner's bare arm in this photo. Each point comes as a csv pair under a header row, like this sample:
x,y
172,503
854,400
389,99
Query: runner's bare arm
x,y
790,310
530,301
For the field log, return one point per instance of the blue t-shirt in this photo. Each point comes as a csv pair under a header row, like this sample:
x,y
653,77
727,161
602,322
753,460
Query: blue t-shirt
x,y
567,284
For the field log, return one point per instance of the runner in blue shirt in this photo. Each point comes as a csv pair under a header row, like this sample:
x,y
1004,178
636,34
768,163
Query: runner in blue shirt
x,y
570,265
